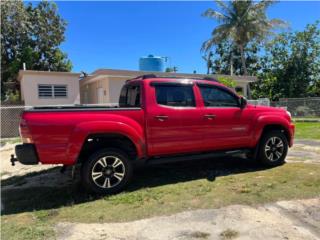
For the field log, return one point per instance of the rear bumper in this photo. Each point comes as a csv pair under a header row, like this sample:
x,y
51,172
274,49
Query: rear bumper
x,y
26,154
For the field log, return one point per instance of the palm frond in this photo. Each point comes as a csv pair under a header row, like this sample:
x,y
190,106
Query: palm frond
x,y
263,5
275,22
224,6
215,15
207,45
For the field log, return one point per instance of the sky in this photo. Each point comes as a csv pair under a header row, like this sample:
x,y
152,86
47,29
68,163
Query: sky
x,y
116,34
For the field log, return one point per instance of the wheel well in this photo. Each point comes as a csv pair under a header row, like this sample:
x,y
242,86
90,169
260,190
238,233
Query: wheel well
x,y
98,141
276,127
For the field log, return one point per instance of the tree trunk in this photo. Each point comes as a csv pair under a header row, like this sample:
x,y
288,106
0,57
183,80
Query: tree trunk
x,y
243,60
231,63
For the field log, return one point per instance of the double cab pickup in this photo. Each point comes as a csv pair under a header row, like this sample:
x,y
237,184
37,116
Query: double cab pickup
x,y
158,120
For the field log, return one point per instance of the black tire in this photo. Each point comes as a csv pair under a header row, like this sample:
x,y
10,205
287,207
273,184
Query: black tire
x,y
93,167
277,142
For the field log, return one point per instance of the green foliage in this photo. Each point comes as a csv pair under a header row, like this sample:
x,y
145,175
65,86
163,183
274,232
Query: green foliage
x,y
173,69
31,35
227,81
291,65
227,54
13,97
241,22
208,58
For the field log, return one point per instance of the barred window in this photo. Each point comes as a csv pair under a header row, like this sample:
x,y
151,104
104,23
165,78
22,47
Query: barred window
x,y
60,91
52,91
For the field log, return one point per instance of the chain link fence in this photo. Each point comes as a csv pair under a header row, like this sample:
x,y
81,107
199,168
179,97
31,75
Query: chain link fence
x,y
298,107
10,118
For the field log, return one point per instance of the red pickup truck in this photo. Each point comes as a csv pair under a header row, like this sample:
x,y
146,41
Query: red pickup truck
x,y
158,120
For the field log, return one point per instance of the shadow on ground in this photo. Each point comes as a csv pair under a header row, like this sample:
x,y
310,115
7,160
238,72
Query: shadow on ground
x,y
24,199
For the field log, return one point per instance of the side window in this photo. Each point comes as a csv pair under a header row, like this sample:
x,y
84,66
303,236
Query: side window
x,y
130,96
177,96
216,97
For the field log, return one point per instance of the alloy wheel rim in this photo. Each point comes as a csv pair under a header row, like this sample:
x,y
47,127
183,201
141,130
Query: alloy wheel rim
x,y
274,149
108,172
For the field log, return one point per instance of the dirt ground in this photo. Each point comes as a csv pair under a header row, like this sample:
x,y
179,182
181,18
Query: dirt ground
x,y
294,220
307,151
281,220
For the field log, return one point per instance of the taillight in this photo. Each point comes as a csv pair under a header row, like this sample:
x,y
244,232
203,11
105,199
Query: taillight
x,y
25,132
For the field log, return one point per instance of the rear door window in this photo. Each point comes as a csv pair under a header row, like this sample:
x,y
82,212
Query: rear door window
x,y
175,95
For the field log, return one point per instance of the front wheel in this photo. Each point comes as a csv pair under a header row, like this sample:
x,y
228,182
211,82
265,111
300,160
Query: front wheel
x,y
273,148
106,171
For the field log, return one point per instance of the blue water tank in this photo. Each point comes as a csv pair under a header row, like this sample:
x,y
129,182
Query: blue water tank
x,y
152,63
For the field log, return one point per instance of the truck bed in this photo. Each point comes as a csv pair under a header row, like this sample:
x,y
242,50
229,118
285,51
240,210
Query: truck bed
x,y
79,108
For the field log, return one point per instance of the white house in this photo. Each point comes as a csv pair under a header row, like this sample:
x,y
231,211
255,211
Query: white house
x,y
102,86
49,88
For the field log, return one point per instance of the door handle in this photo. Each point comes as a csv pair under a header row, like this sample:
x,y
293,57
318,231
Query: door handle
x,y
161,117
210,116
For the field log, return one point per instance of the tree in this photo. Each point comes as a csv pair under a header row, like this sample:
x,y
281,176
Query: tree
x,y
173,69
227,60
208,59
291,65
242,22
31,35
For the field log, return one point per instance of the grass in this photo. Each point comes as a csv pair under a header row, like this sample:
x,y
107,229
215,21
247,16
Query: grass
x,y
25,227
10,140
229,234
155,191
306,130
194,235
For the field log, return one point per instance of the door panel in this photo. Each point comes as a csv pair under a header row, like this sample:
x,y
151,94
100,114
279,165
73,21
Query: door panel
x,y
225,124
173,121
230,128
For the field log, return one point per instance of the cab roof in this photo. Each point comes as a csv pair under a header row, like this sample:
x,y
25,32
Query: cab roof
x,y
186,80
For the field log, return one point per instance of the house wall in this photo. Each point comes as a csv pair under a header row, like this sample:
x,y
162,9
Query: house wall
x,y
112,81
29,88
111,87
115,88
89,91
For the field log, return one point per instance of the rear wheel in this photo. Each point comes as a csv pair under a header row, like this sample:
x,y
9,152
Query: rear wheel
x,y
107,171
273,148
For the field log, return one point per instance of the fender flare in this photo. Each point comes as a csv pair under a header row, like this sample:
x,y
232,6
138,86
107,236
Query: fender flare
x,y
134,132
265,120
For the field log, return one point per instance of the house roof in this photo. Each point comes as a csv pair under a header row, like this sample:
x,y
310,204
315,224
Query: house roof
x,y
131,74
34,72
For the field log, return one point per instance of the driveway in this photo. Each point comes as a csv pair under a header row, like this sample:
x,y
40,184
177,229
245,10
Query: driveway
x,y
294,220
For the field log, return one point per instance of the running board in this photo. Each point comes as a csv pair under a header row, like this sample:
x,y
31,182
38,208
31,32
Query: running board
x,y
181,158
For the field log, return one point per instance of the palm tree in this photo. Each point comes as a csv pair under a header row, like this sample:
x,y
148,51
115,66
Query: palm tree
x,y
241,22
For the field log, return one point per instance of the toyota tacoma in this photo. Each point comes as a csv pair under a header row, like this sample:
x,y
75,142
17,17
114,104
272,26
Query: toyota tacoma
x,y
158,120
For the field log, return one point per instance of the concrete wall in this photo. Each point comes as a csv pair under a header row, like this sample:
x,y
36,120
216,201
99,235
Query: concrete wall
x,y
29,87
89,91
115,88
111,87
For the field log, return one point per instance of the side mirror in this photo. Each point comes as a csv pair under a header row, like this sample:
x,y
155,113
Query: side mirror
x,y
242,102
